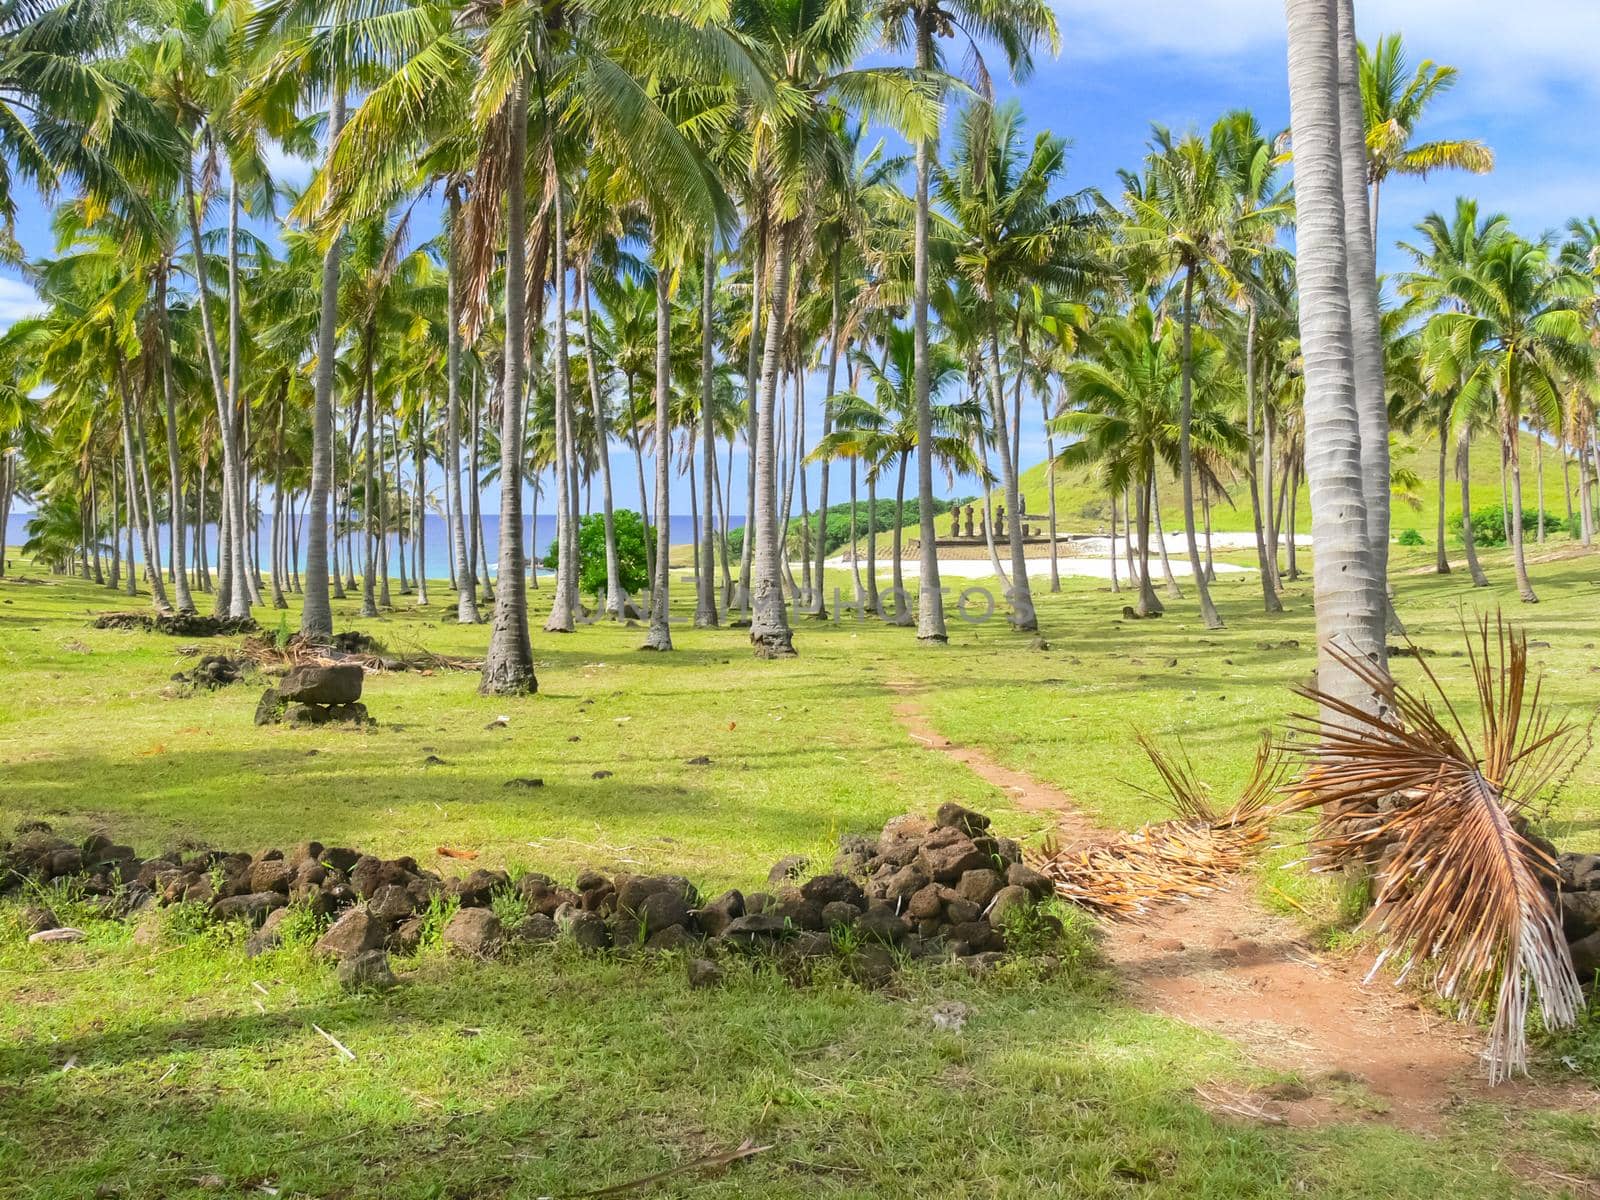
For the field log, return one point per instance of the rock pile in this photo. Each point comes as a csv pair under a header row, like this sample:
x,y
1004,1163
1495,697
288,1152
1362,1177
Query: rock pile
x,y
1580,911
922,889
213,671
177,624
315,695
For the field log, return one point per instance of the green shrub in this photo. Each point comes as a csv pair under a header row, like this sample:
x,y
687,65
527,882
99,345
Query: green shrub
x,y
631,534
1411,538
836,530
1489,525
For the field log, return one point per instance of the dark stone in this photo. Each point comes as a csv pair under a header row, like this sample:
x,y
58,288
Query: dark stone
x,y
926,904
536,928
855,852
337,684
353,933
904,883
1579,872
788,868
602,775
808,944
959,911
757,902
36,918
703,973
589,931
1008,901
663,910
1586,958
368,970
475,932
673,937
269,709
1023,876
715,917
754,929
588,881
979,886
477,888
391,903
982,962
829,889
797,911
269,936
1580,914
949,862
901,837
254,906
976,935
699,760
272,875
598,899
838,912
407,935
883,925
340,858
304,852
954,816
872,966
66,862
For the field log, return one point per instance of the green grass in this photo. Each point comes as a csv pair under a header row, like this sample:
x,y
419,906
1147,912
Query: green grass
x,y
551,1074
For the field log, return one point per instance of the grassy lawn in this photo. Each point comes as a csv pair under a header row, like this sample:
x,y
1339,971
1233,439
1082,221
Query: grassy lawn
x,y
195,1070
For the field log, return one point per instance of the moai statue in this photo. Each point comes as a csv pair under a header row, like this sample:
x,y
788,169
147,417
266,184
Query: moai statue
x,y
999,520
955,522
969,522
983,525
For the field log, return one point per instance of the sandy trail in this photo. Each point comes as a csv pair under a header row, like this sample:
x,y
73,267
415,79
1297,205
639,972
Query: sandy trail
x,y
1224,963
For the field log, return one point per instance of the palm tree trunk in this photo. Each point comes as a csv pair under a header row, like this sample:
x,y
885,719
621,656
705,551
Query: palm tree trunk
x,y
1115,586
602,426
278,599
1291,485
1349,591
203,570
1208,610
902,610
769,622
1269,583
1463,473
1173,589
1511,457
421,511
129,511
644,492
855,559
705,609
562,606
930,600
1149,602
724,485
835,305
659,635
1366,329
140,516
1050,486
180,564
1269,506
369,568
1023,617
1538,460
874,602
508,665
754,364
1441,561
1205,509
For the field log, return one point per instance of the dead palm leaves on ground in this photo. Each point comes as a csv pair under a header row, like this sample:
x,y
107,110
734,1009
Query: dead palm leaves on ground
x,y
1461,891
300,651
1191,854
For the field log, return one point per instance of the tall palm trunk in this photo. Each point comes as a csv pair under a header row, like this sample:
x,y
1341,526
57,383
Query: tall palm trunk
x,y
874,601
930,601
1269,585
1115,585
1149,602
180,563
420,511
202,569
563,607
1208,610
139,514
508,664
1441,561
1511,457
705,608
230,550
769,621
1366,329
644,492
1463,474
1021,597
316,616
1349,592
834,338
902,610
277,574
129,514
466,580
659,635
602,437
1050,486
754,364
241,413
142,452
1173,590
369,569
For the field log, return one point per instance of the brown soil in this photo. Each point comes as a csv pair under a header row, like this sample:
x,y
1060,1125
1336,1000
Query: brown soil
x,y
1223,963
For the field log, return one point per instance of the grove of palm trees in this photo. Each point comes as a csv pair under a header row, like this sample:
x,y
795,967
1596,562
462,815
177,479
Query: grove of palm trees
x,y
673,599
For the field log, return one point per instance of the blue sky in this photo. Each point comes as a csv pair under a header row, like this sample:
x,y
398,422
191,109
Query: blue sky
x,y
1528,87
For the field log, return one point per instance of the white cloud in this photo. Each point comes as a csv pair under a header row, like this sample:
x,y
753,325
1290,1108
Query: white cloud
x,y
17,301
1547,42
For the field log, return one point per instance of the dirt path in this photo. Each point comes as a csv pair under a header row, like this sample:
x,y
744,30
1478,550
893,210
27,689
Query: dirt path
x,y
1225,964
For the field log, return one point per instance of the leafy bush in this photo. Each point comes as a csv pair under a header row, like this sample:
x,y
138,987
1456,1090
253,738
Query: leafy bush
x,y
631,534
836,530
1489,525
1411,538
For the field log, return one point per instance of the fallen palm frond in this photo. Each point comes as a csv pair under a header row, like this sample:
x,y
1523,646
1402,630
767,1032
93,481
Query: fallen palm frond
x,y
1191,854
300,651
1460,889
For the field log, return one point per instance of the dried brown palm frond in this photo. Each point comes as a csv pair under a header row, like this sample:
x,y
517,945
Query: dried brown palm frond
x,y
300,651
1462,892
1187,856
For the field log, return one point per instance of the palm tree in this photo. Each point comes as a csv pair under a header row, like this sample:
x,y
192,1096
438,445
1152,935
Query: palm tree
x,y
1350,603
1393,105
1519,334
1017,27
1008,235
